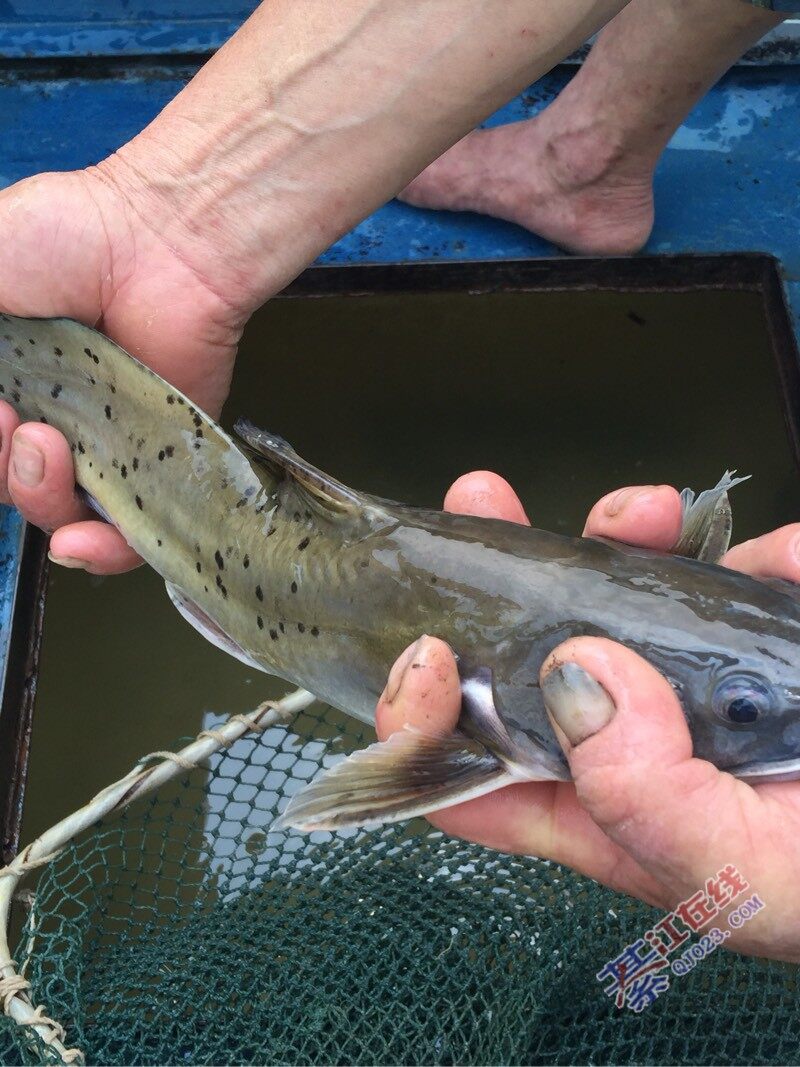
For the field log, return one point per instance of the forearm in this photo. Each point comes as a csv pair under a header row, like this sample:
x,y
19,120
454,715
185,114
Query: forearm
x,y
315,113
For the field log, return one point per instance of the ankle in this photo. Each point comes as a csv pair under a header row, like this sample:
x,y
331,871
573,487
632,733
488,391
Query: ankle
x,y
584,155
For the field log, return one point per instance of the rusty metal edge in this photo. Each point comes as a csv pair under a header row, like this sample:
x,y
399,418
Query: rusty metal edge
x,y
677,273
19,689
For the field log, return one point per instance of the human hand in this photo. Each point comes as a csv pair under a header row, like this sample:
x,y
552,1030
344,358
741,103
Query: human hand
x,y
641,815
76,245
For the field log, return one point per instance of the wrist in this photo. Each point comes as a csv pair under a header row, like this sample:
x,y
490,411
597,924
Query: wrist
x,y
174,184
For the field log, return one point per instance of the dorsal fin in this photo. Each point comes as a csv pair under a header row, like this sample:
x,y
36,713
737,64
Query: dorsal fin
x,y
281,458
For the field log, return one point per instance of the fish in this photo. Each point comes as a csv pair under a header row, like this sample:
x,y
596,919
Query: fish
x,y
300,576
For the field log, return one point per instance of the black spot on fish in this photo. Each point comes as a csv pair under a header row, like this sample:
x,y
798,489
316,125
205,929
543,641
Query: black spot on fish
x,y
181,400
18,383
294,587
58,352
115,463
135,463
206,588
246,562
170,398
271,531
81,449
170,450
91,380
315,631
113,388
55,391
198,433
197,420
123,471
44,420
31,341
161,454
19,352
282,628
219,559
90,464
139,502
2,388
196,445
158,542
304,544
301,627
259,592
197,548
220,586
15,397
274,635
101,474
108,411
297,516
240,503
199,566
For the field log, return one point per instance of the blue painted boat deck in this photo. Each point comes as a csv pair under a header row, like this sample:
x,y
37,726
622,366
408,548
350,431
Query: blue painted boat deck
x,y
728,182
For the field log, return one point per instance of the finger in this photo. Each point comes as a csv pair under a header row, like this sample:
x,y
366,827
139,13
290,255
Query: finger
x,y
93,546
423,691
774,555
9,421
648,516
630,754
487,495
41,478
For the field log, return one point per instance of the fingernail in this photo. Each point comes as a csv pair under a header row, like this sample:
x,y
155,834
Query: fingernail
x,y
27,461
68,561
398,671
618,501
578,704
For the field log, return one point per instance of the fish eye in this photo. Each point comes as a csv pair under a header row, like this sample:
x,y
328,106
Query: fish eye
x,y
741,701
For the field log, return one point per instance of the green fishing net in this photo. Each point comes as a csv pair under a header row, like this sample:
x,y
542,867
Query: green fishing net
x,y
186,932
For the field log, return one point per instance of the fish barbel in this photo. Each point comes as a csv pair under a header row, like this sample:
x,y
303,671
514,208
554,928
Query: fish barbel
x,y
302,577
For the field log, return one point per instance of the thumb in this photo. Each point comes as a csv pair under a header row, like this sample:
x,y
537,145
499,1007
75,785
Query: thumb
x,y
630,753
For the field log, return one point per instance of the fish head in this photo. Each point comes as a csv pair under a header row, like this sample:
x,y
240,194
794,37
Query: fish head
x,y
739,683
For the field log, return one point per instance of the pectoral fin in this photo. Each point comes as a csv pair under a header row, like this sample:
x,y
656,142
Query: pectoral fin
x,y
206,626
410,774
707,521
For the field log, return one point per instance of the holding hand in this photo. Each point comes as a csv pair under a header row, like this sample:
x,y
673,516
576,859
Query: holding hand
x,y
641,815
74,245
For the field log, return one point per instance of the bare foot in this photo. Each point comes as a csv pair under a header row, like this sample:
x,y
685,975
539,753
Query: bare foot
x,y
576,189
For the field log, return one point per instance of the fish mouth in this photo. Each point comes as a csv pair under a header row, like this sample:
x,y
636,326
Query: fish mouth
x,y
786,770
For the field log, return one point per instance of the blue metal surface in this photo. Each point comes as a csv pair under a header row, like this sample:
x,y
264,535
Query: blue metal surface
x,y
729,181
117,27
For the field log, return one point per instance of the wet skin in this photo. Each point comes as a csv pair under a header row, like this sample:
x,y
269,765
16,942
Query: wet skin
x,y
643,815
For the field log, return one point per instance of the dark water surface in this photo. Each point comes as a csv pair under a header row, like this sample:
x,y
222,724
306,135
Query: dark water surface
x,y
567,395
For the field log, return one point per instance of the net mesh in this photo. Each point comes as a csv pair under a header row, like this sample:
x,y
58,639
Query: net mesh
x,y
186,932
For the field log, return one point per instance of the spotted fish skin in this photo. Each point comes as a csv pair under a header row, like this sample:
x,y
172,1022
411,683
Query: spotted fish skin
x,y
325,587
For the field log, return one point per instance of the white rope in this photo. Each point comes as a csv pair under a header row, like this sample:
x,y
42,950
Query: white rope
x,y
138,782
